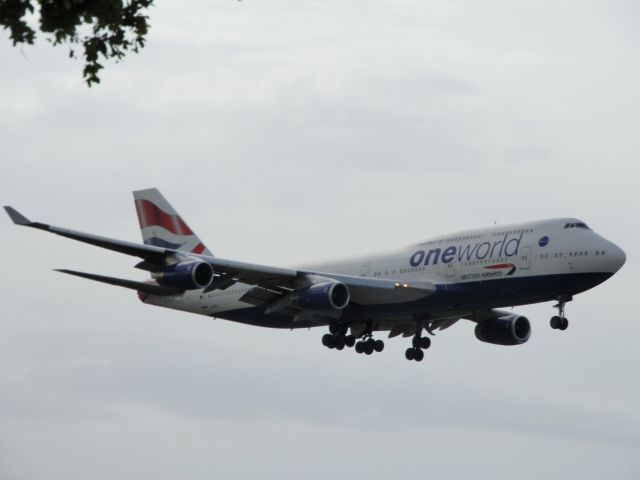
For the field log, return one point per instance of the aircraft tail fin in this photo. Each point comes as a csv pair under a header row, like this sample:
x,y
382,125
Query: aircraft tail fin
x,y
162,226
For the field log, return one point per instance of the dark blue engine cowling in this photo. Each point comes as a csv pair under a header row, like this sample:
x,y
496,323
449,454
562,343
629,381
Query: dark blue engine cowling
x,y
507,330
186,275
324,296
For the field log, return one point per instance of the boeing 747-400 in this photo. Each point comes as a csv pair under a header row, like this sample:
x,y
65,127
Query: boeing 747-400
x,y
426,286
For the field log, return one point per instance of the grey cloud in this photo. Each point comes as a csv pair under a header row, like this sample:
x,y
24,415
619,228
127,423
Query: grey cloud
x,y
296,130
210,380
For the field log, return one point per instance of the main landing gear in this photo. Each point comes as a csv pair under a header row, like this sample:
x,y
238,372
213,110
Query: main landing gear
x,y
419,343
369,345
560,322
338,342
338,339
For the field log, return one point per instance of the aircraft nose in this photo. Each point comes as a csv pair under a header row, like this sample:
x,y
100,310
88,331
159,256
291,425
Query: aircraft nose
x,y
617,257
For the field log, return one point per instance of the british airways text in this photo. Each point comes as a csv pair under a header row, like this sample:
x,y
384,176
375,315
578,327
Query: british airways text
x,y
507,246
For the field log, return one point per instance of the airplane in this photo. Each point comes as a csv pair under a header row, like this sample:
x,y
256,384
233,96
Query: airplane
x,y
422,287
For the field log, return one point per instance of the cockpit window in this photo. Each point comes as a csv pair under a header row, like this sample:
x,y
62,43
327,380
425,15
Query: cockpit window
x,y
576,225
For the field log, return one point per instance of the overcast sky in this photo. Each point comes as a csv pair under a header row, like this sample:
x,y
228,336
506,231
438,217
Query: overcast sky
x,y
291,130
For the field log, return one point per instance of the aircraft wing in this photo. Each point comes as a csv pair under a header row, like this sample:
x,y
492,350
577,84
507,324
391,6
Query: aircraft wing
x,y
272,281
365,290
147,252
407,325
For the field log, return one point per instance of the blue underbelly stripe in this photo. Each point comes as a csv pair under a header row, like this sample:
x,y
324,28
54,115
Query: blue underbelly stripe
x,y
471,295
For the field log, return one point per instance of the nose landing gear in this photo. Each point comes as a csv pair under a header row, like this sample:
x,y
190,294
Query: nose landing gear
x,y
560,322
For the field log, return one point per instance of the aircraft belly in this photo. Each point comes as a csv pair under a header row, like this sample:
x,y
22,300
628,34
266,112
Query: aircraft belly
x,y
451,297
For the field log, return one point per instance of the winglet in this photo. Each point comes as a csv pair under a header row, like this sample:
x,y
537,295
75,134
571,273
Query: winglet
x,y
17,217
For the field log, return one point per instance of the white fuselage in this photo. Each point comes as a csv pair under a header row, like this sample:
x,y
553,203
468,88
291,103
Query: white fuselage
x,y
536,261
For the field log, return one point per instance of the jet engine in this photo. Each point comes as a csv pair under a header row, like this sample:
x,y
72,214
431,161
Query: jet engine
x,y
507,330
323,296
192,275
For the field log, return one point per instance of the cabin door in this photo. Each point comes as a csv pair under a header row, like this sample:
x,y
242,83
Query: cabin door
x,y
451,270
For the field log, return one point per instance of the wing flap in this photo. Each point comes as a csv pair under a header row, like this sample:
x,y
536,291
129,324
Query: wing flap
x,y
479,316
368,291
252,273
259,296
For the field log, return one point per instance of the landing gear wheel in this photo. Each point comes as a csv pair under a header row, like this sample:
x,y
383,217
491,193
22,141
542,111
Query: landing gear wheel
x,y
378,345
368,346
559,321
328,340
338,343
360,347
349,340
409,353
421,342
418,355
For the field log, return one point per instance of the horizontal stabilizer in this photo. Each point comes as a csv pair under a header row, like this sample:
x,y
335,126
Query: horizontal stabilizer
x,y
121,282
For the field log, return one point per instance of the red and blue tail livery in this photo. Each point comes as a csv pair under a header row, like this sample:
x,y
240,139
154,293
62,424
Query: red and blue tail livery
x,y
162,226
412,291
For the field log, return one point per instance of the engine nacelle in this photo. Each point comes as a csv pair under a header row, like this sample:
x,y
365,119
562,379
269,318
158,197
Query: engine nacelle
x,y
507,330
192,275
323,296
